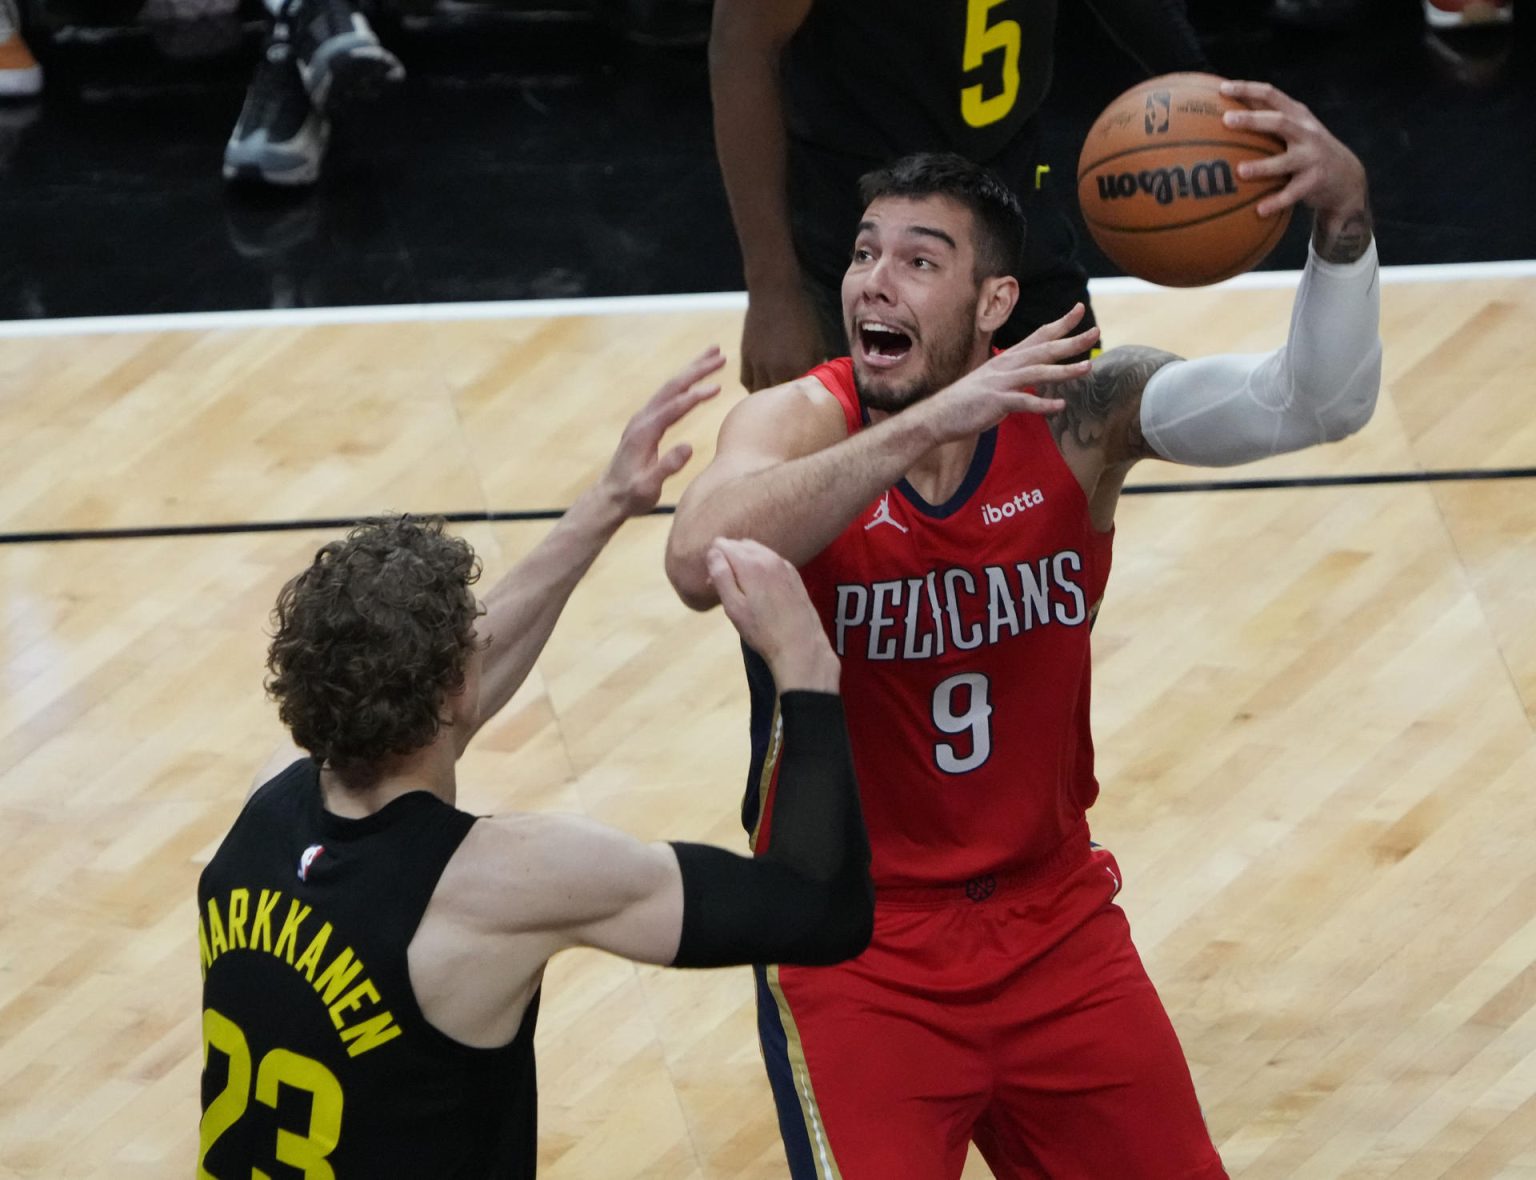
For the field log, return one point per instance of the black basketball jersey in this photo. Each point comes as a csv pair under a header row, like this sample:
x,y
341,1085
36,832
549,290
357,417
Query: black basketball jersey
x,y
316,1059
880,80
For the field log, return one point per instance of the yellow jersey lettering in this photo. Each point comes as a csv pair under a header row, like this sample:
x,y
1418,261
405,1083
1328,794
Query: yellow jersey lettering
x,y
217,943
288,936
261,928
310,959
353,1000
335,978
203,952
370,1034
239,902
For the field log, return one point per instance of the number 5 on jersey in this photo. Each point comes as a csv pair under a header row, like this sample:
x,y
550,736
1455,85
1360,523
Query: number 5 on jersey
x,y
961,704
982,39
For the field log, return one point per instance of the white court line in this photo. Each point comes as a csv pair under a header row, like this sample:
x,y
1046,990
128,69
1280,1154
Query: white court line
x,y
395,313
1266,280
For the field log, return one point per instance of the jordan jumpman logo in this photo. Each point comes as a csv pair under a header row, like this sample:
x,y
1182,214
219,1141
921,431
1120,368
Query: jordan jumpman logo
x,y
883,515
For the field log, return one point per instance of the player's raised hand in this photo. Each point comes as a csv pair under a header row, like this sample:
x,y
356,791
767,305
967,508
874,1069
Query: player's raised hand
x,y
1006,384
764,598
638,468
1322,171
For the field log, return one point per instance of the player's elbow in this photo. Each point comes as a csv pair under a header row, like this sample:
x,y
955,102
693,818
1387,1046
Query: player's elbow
x,y
841,928
1354,405
1345,420
862,923
691,583
690,578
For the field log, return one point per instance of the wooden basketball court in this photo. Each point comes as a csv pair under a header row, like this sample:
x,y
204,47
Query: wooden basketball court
x,y
1314,710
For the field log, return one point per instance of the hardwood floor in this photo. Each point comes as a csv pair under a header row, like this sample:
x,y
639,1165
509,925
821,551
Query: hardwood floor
x,y
1314,712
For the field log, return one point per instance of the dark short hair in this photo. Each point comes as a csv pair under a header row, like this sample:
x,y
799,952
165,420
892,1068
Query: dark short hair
x,y
372,638
997,212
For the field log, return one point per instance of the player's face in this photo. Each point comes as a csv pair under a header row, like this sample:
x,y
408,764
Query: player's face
x,y
910,300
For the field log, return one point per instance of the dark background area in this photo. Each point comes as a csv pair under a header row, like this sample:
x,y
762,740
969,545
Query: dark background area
x,y
546,154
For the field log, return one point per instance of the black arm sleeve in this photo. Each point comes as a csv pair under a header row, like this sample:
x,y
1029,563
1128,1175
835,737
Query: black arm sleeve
x,y
1157,33
808,898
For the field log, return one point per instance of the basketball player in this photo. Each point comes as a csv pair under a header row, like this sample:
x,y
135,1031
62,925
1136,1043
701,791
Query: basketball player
x,y
951,511
811,94
372,955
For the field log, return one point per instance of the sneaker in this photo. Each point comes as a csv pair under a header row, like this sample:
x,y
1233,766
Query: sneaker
x,y
20,75
339,58
279,137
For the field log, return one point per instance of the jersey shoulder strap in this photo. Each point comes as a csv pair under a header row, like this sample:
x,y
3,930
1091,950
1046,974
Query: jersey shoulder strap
x,y
837,376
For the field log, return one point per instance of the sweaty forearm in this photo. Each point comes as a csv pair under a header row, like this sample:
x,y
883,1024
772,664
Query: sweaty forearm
x,y
807,898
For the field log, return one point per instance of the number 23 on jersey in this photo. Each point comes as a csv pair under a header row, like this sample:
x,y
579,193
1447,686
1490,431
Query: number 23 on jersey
x,y
280,1067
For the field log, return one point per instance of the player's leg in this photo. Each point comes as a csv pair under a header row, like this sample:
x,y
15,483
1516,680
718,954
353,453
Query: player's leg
x,y
870,1081
1094,1083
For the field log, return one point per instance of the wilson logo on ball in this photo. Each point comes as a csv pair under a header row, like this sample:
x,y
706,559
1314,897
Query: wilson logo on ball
x,y
1158,185
1209,178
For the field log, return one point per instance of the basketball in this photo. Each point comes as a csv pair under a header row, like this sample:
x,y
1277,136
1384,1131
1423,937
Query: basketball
x,y
1158,186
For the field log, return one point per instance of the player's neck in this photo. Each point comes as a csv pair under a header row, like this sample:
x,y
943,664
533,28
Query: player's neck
x,y
362,791
938,475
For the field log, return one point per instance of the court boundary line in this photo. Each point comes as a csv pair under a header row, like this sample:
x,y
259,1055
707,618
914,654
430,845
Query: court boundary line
x,y
520,309
514,516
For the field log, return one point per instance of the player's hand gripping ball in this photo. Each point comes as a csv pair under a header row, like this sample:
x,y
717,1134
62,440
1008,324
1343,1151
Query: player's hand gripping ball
x,y
1158,186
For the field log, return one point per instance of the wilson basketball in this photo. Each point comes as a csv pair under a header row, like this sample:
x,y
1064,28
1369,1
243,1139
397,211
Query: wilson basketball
x,y
1158,186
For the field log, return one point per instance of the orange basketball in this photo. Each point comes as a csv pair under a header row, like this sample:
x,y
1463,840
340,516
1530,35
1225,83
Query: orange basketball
x,y
1158,186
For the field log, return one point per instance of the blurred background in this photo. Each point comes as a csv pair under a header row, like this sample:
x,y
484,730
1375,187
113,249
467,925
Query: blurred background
x,y
556,148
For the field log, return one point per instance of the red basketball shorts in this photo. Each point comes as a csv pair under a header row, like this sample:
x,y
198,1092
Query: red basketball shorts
x,y
1022,1020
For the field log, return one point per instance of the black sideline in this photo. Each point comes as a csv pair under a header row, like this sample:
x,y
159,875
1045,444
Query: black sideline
x,y
332,524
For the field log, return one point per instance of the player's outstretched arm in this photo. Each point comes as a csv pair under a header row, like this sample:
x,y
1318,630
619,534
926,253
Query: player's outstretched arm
x,y
523,606
807,899
1319,387
787,474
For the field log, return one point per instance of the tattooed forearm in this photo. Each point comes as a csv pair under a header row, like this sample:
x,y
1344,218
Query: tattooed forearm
x,y
1342,238
1101,407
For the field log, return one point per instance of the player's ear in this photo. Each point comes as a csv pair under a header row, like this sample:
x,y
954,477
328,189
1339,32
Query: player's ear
x,y
995,302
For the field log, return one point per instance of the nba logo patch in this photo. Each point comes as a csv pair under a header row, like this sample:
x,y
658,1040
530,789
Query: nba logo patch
x,y
308,859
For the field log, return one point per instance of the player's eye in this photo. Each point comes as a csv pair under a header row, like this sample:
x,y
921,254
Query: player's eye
x,y
924,263
861,254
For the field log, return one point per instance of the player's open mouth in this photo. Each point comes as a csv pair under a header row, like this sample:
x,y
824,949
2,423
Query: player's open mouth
x,y
882,344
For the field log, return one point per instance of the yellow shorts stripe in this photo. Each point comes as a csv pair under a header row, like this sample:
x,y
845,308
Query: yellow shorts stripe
x,y
815,1129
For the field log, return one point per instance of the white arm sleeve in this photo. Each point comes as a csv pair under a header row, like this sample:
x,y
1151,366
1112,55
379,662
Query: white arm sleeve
x,y
1321,386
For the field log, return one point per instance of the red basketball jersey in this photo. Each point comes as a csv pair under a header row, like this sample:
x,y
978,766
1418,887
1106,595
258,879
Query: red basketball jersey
x,y
963,631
